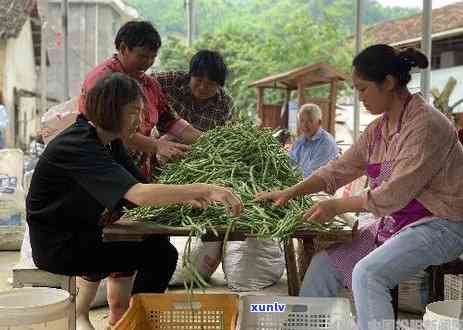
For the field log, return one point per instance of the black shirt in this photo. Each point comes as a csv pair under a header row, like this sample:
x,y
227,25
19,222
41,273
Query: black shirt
x,y
75,180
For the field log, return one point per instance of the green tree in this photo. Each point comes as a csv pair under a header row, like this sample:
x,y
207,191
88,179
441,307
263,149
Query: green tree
x,y
213,15
293,39
167,15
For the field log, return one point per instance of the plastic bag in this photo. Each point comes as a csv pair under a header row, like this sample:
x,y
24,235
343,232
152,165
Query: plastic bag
x,y
4,119
253,264
57,118
12,199
205,256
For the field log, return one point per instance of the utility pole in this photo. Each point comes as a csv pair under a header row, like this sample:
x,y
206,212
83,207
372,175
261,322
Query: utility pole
x,y
64,25
97,14
189,14
426,46
358,48
43,60
194,19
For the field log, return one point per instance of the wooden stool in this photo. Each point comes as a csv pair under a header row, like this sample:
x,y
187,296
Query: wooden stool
x,y
26,276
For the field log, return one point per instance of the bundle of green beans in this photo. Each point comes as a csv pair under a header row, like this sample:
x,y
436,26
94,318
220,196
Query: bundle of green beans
x,y
248,160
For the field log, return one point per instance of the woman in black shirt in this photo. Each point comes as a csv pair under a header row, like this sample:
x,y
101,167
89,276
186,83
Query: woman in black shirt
x,y
84,171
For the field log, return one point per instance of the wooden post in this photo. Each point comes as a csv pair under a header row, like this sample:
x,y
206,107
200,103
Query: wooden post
x,y
16,119
65,30
309,251
260,103
297,262
285,115
43,63
292,274
332,107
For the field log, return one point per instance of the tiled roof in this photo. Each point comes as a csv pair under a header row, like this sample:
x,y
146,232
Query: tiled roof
x,y
443,19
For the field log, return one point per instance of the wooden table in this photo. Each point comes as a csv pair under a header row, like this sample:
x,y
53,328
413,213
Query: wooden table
x,y
297,256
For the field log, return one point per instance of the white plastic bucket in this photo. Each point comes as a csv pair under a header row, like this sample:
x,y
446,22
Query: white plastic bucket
x,y
444,315
35,309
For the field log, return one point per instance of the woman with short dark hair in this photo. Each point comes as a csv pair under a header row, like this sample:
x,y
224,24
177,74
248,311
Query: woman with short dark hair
x,y
198,96
412,158
82,172
137,44
138,34
209,64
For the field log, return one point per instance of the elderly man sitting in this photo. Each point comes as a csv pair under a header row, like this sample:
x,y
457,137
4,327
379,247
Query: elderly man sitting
x,y
315,147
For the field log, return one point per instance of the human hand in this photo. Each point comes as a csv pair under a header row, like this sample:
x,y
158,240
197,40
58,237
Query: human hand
x,y
278,197
323,211
109,217
212,193
167,150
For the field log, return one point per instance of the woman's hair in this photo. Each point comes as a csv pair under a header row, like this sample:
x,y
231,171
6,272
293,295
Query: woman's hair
x,y
138,34
106,101
374,63
210,64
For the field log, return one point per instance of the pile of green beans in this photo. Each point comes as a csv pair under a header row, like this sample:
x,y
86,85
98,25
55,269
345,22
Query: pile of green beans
x,y
248,160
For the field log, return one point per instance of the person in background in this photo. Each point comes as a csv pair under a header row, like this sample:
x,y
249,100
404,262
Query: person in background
x,y
413,159
82,172
293,107
198,96
315,147
137,44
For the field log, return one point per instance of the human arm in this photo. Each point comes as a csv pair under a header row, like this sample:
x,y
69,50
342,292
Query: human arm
x,y
326,210
198,195
104,178
189,135
311,185
164,148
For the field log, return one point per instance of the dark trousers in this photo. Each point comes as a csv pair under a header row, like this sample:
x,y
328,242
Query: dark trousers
x,y
154,259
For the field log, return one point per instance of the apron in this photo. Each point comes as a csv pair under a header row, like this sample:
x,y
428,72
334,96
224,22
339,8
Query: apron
x,y
372,235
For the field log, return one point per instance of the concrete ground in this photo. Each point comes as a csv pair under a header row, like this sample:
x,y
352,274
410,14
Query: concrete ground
x,y
98,316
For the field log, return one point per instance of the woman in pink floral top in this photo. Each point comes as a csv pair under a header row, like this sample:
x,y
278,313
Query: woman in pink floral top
x,y
412,158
